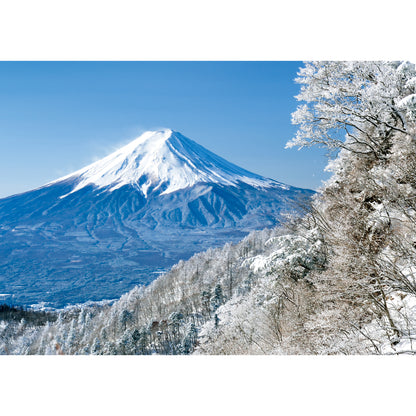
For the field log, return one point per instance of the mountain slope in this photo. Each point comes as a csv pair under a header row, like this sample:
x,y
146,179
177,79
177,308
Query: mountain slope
x,y
118,222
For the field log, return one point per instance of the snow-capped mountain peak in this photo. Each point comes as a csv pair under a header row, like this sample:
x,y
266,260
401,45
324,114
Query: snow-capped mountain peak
x,y
116,223
163,158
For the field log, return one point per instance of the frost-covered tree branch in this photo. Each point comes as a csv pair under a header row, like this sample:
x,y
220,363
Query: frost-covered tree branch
x,y
370,98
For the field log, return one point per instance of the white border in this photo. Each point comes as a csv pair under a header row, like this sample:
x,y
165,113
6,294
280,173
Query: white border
x,y
202,30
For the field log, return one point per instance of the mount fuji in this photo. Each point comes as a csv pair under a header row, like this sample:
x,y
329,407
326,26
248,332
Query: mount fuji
x,y
119,222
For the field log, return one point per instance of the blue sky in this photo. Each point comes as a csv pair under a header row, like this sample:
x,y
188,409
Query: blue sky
x,y
56,117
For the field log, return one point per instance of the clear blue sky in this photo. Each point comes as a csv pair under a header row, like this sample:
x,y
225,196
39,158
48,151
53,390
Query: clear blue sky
x,y
56,117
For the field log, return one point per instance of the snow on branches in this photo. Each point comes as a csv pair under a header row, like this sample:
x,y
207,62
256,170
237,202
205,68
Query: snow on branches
x,y
354,105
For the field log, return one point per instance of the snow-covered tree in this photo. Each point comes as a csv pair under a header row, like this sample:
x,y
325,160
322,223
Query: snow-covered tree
x,y
365,113
357,106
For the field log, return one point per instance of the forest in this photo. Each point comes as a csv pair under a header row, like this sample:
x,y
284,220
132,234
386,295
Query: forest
x,y
340,279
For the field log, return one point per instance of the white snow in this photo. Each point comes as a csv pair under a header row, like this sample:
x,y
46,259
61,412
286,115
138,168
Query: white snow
x,y
167,158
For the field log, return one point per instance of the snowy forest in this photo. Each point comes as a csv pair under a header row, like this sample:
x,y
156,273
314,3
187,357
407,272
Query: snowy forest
x,y
340,279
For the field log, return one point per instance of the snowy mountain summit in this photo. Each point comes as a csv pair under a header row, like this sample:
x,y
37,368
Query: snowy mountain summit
x,y
164,160
117,223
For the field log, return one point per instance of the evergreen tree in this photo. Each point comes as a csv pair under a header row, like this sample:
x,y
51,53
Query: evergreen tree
x,y
217,298
190,339
96,346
